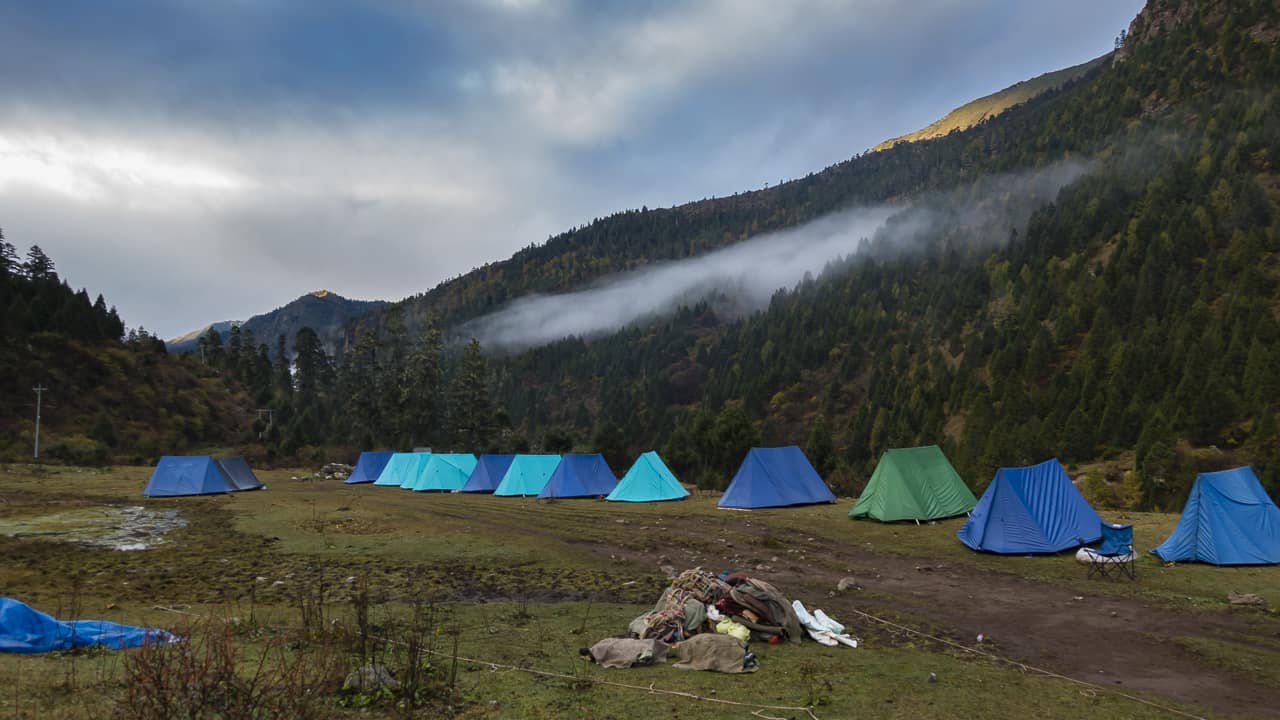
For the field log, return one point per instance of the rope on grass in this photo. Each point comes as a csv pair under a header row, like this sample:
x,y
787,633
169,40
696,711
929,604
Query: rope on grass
x,y
650,688
1093,688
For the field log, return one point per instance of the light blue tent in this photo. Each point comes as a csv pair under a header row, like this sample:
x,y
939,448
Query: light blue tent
x,y
578,476
775,477
648,480
1228,520
400,467
24,629
527,475
1032,509
445,472
488,473
369,467
177,475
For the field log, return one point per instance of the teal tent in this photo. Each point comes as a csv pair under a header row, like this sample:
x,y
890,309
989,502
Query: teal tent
x,y
527,475
188,475
398,468
445,472
648,480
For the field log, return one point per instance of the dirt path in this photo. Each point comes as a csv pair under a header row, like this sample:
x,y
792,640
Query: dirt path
x,y
1124,643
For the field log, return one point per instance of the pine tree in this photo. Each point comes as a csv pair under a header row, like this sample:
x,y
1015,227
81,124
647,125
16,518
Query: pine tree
x,y
38,266
422,389
472,412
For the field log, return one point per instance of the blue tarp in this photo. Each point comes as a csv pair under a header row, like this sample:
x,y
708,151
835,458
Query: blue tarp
x,y
187,475
1228,520
1032,509
527,475
488,473
648,480
583,475
24,629
775,477
369,467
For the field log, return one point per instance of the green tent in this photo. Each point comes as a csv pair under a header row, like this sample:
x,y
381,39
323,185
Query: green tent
x,y
914,484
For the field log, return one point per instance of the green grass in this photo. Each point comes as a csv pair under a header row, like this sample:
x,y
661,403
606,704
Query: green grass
x,y
526,584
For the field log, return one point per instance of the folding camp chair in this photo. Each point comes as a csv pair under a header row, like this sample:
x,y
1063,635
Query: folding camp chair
x,y
1114,558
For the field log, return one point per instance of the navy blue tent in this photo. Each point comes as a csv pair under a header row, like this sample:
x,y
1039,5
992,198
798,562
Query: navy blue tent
x,y
24,629
1031,509
239,473
488,474
369,466
580,476
775,477
1228,520
188,475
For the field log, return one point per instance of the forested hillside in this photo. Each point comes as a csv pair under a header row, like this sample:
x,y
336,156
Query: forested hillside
x,y
107,395
1135,318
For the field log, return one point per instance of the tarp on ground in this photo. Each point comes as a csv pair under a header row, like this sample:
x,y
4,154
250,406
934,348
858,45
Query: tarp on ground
x,y
916,483
1032,509
488,474
369,466
580,475
24,629
398,468
177,475
648,480
775,477
239,473
527,475
445,472
1228,520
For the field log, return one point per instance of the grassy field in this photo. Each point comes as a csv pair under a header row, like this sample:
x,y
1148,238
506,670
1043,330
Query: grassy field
x,y
481,586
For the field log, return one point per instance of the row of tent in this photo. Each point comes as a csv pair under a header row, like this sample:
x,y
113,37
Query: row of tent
x,y
1228,519
768,477
176,475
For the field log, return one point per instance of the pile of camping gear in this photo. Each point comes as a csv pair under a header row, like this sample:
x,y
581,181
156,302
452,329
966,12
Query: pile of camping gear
x,y
708,621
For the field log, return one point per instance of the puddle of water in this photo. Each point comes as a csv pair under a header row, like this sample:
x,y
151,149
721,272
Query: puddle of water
x,y
118,528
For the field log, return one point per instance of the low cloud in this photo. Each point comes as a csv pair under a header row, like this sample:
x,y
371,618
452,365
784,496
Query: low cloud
x,y
749,273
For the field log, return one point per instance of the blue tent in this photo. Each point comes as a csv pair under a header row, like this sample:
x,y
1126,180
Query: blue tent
x,y
1032,509
239,473
488,473
188,475
648,480
775,477
527,475
445,472
1228,520
399,467
585,475
369,467
24,629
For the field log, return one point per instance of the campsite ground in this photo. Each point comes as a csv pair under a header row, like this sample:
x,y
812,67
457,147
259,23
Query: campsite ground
x,y
521,583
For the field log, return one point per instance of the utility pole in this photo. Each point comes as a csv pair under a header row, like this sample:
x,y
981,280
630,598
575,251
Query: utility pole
x,y
39,390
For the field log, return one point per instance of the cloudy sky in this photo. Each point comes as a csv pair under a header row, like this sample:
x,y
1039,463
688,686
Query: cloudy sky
x,y
198,161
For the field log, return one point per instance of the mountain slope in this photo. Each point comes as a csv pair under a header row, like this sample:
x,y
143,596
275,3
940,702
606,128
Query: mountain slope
x,y
325,312
972,113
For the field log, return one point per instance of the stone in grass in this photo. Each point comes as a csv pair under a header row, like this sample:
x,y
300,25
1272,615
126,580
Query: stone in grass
x,y
1253,599
369,677
848,583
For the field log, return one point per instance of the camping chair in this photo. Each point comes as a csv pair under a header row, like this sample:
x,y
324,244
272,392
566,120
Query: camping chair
x,y
1114,558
